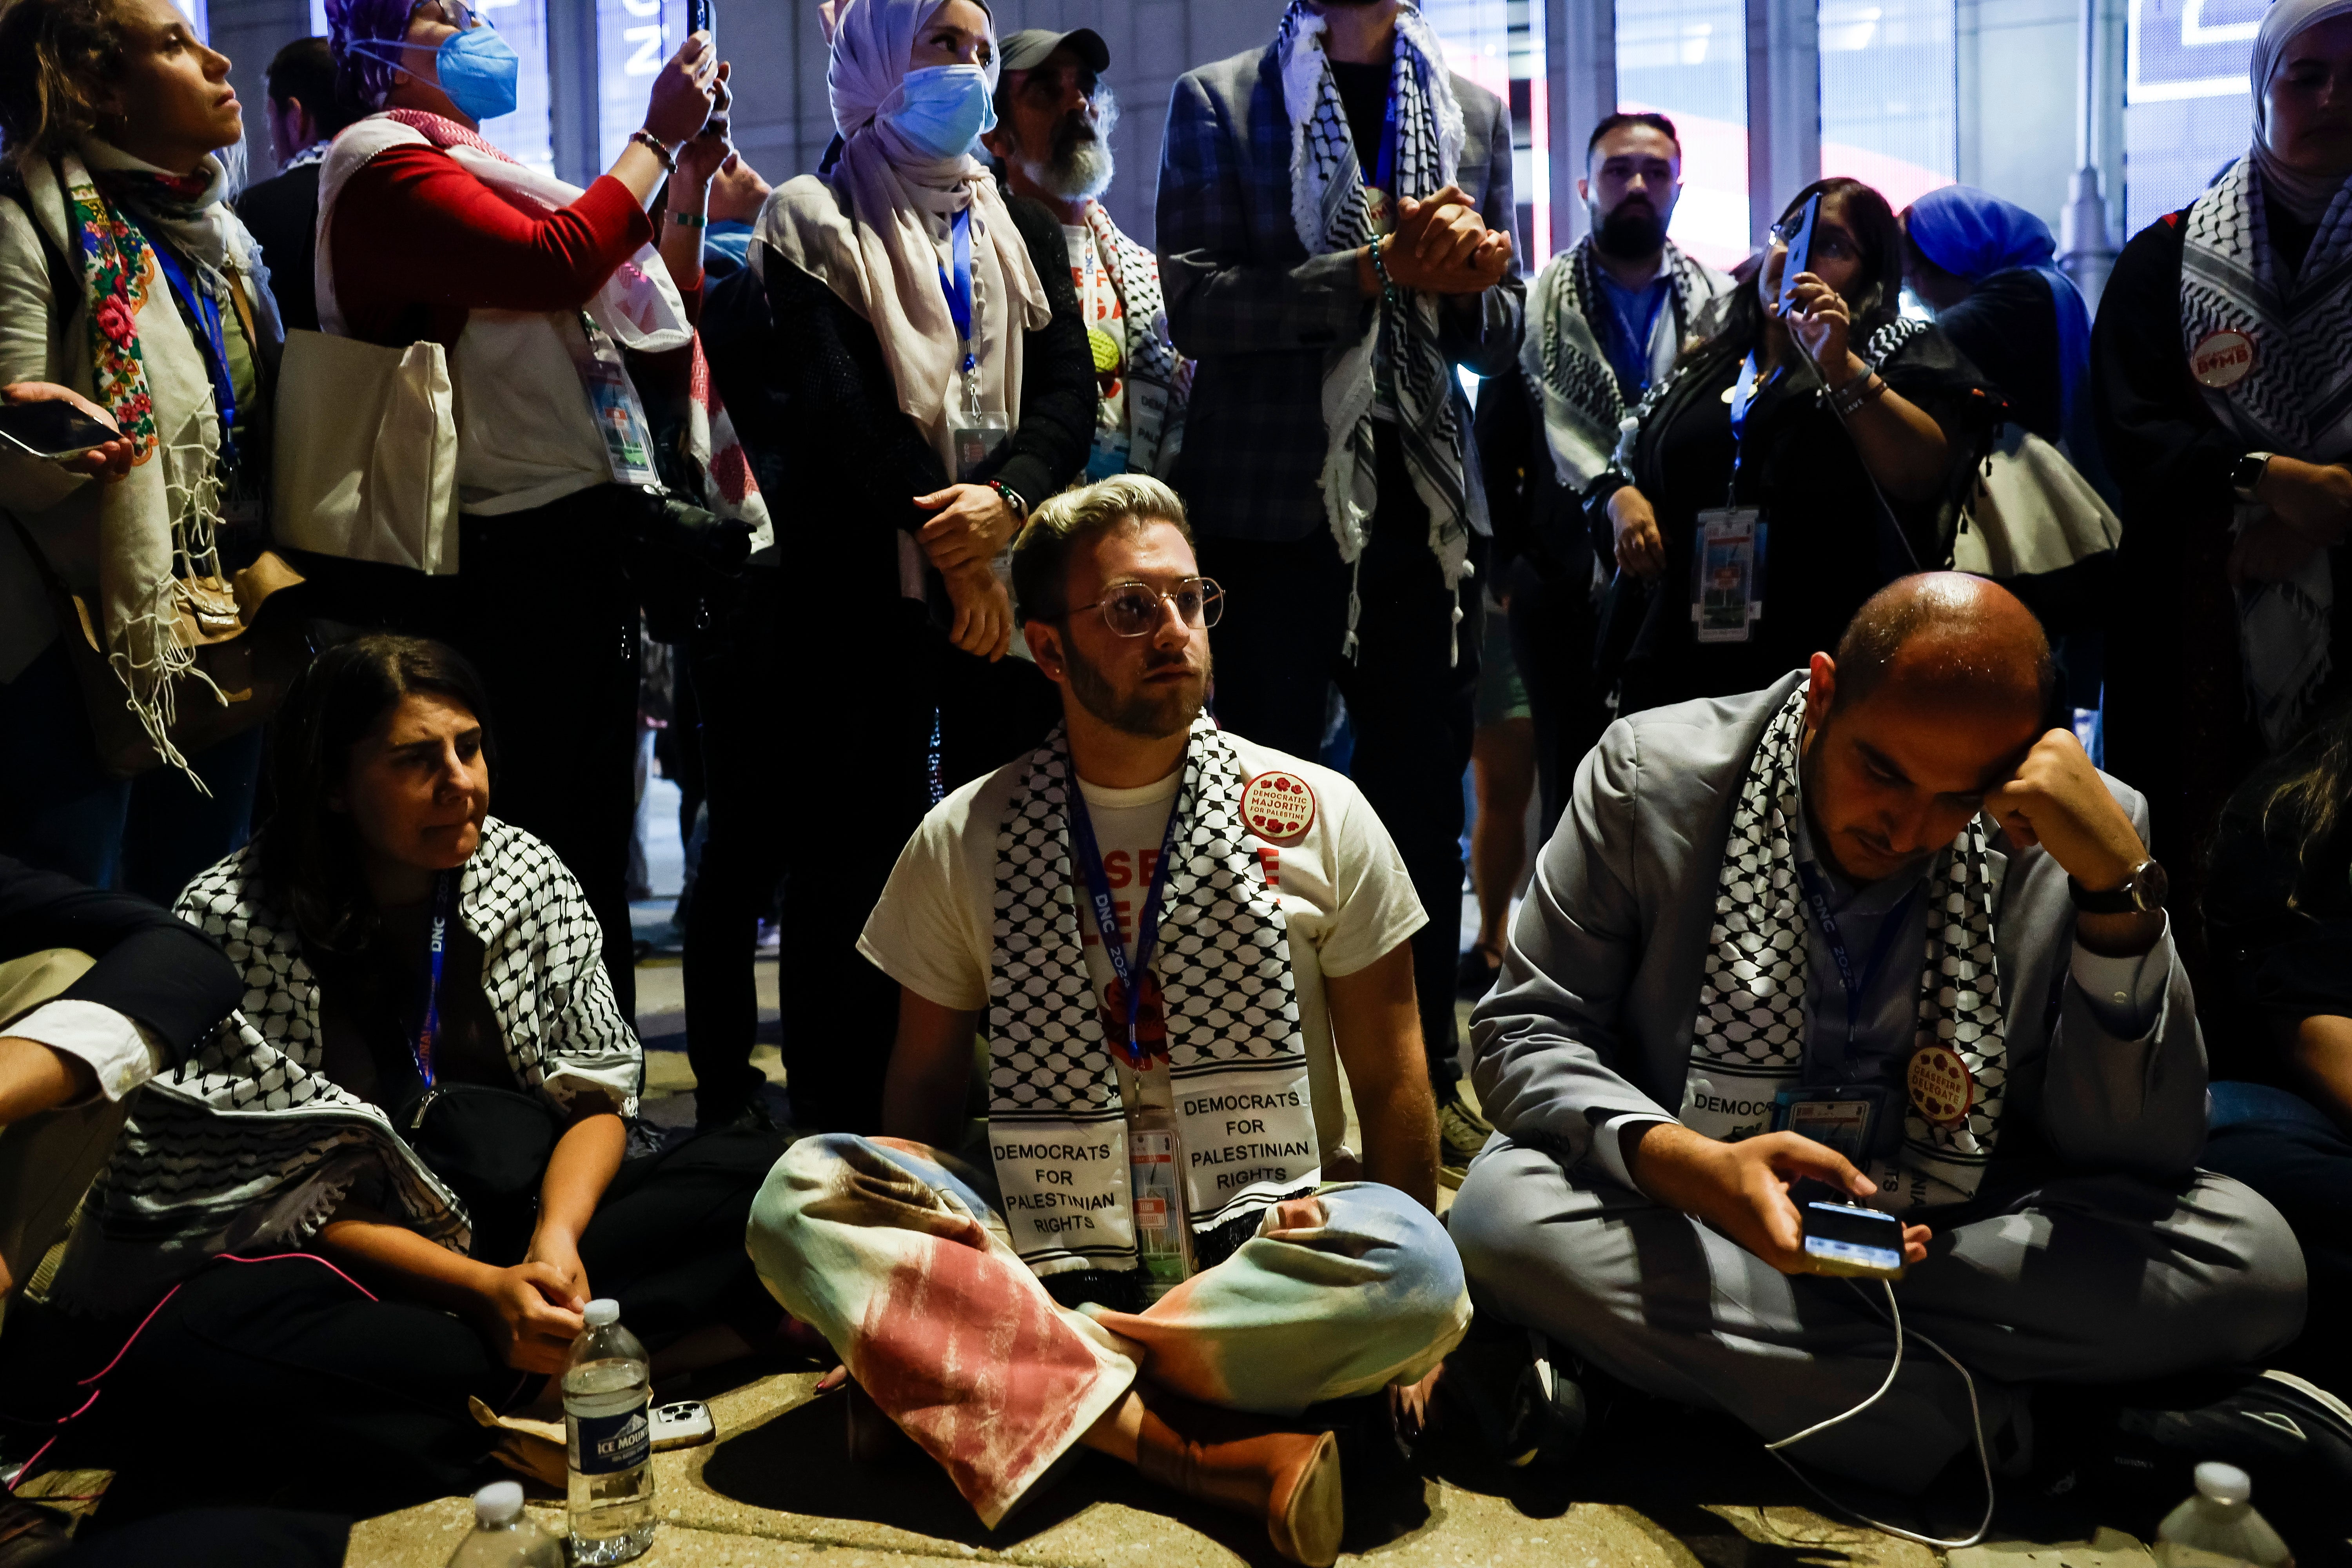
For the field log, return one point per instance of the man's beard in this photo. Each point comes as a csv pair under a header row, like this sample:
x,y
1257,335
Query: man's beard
x,y
1632,230
1149,712
1079,166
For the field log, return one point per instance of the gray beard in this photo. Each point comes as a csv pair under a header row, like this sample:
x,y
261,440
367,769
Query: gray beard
x,y
1079,173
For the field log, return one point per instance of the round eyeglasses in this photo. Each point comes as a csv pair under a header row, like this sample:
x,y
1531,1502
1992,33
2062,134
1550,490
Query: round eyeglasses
x,y
1132,609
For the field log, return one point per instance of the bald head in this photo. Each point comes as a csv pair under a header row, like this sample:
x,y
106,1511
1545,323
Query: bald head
x,y
1944,638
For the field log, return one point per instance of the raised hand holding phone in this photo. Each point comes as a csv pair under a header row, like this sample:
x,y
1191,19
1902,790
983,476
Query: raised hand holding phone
x,y
42,419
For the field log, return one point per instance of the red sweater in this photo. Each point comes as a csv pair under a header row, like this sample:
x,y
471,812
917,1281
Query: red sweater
x,y
419,242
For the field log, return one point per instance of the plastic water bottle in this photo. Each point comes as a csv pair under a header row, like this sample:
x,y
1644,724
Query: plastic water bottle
x,y
608,1439
2219,1528
503,1536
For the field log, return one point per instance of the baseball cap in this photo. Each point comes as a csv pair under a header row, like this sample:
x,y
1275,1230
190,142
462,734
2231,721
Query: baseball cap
x,y
1027,49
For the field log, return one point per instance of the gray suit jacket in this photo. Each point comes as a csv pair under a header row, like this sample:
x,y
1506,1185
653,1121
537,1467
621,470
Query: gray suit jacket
x,y
1257,315
1591,1016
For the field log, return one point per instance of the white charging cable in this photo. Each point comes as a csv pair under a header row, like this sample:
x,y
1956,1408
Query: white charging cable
x,y
1976,1420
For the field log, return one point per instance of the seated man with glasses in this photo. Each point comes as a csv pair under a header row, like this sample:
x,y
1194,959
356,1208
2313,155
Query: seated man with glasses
x,y
1173,939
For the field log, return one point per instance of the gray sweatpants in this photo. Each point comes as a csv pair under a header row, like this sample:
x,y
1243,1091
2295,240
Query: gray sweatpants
x,y
2081,1279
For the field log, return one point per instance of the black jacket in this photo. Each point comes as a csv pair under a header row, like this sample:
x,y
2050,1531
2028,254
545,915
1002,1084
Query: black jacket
x,y
152,968
815,405
283,214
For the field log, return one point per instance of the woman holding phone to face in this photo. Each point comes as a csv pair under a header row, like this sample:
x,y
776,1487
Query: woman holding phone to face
x,y
1841,403
129,289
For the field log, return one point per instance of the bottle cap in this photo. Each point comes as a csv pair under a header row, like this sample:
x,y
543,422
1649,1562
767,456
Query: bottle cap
x,y
2223,1483
604,1309
500,1502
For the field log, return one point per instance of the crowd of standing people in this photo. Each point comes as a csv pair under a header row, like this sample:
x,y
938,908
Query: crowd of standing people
x,y
1120,1032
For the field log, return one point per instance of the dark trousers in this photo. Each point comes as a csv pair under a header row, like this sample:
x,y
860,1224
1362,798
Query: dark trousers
x,y
281,1381
61,811
1410,692
2304,1168
831,823
1552,625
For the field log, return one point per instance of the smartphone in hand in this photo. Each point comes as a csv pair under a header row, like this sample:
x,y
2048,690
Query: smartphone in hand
x,y
1843,1237
1801,252
55,431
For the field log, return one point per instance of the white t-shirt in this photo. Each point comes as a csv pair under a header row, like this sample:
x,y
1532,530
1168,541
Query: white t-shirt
x,y
1098,298
1343,889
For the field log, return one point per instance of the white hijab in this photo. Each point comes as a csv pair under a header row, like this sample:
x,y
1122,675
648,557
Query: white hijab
x,y
869,239
2304,195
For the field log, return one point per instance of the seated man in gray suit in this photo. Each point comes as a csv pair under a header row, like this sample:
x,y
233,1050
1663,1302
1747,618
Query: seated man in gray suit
x,y
1884,907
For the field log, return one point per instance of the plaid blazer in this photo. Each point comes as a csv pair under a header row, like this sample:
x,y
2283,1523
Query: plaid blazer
x,y
1258,314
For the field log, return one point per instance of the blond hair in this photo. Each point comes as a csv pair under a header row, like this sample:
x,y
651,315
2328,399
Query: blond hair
x,y
1041,556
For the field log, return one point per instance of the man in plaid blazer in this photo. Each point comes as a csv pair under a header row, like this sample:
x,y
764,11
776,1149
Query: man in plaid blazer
x,y
1327,460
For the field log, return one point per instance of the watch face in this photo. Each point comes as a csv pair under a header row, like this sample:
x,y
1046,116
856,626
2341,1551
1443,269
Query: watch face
x,y
2150,885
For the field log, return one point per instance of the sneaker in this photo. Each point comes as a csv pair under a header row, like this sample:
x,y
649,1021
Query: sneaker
x,y
1515,1398
2293,1437
1461,1133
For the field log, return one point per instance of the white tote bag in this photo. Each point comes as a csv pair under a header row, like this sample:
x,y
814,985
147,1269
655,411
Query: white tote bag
x,y
367,452
2032,513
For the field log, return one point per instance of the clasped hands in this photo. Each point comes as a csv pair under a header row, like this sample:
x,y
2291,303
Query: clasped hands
x,y
531,1311
1441,246
2310,508
971,524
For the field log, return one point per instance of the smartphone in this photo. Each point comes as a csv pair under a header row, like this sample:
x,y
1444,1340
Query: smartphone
x,y
1842,1239
697,16
1801,250
55,431
684,1425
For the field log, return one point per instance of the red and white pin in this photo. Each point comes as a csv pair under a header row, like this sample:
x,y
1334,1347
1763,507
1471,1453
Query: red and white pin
x,y
1942,1088
1278,807
2222,358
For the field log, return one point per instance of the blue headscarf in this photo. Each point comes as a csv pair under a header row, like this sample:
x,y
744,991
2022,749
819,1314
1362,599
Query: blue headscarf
x,y
1972,234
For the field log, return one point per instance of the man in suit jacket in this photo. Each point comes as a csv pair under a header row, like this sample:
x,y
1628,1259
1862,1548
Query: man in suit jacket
x,y
1333,235
98,990
1882,907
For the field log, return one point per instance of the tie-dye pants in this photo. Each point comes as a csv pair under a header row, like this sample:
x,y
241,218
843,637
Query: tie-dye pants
x,y
896,1253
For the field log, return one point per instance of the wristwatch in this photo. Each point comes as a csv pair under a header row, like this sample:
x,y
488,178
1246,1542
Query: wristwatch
x,y
2247,472
2142,893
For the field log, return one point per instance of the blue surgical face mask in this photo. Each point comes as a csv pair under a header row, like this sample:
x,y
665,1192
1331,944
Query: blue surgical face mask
x,y
478,69
947,108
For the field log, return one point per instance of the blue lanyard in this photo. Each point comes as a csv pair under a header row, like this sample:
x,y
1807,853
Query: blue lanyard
x,y
958,287
1384,172
436,948
1147,919
1816,897
1743,394
207,313
1640,341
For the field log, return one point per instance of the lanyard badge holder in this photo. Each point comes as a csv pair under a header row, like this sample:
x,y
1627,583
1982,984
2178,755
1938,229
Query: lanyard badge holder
x,y
1728,566
1844,1116
613,399
1163,1241
977,436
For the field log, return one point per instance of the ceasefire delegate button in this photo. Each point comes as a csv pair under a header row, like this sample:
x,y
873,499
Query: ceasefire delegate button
x,y
1278,807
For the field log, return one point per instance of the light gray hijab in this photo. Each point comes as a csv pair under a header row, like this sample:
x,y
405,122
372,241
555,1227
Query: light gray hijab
x,y
2301,193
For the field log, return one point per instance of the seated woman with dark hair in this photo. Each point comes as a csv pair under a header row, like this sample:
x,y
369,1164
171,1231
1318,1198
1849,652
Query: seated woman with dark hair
x,y
2278,916
415,1123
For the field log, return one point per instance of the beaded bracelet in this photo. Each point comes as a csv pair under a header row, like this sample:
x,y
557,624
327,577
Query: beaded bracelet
x,y
1011,497
1380,271
653,144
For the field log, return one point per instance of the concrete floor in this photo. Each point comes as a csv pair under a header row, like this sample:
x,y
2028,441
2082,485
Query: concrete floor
x,y
778,1489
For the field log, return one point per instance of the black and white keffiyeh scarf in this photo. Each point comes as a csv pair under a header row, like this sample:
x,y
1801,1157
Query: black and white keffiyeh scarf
x,y
1566,368
1236,1053
1158,381
248,1143
2295,397
1328,208
1748,1043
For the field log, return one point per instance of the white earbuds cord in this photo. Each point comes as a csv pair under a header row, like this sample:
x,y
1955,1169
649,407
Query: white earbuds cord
x,y
1976,1420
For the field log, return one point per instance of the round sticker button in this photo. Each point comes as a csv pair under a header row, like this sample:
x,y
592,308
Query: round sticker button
x,y
2222,358
1942,1088
1278,807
